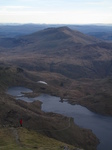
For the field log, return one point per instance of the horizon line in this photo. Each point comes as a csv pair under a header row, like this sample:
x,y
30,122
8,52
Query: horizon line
x,y
8,23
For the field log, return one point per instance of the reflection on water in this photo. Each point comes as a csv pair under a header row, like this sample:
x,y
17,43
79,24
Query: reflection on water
x,y
100,125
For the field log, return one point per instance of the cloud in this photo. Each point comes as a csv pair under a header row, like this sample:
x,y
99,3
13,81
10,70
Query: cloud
x,y
71,17
13,8
56,11
99,2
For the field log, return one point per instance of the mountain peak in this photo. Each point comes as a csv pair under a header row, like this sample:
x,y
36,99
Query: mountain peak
x,y
55,30
52,38
64,28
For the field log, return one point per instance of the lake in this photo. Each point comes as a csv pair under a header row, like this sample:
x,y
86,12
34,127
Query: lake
x,y
99,124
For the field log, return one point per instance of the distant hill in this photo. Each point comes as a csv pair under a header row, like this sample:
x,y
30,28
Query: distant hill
x,y
50,38
62,33
102,35
61,50
100,31
16,30
9,42
56,39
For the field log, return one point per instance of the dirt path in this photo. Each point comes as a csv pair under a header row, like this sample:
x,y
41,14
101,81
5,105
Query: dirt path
x,y
16,136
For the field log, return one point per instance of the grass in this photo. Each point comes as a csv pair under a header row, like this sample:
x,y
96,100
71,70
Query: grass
x,y
7,140
28,140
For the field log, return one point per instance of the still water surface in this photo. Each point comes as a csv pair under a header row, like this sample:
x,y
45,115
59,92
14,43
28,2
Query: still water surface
x,y
100,125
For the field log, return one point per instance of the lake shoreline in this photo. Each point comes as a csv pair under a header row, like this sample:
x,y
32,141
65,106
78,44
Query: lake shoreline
x,y
84,137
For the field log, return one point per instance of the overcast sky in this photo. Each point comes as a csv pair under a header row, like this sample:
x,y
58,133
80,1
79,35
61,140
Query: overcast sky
x,y
56,11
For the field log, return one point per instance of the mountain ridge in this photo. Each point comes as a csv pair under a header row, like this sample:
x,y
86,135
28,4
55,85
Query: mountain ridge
x,y
61,33
62,50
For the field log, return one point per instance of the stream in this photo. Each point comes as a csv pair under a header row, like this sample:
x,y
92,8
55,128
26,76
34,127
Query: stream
x,y
99,124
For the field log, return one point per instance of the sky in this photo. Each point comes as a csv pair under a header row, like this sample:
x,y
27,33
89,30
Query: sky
x,y
56,11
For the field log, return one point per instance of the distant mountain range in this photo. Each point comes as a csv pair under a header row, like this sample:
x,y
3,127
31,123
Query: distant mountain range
x,y
60,50
14,30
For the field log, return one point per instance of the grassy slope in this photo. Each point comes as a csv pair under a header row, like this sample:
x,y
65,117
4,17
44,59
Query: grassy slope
x,y
23,139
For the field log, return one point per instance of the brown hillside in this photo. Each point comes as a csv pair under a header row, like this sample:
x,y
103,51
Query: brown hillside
x,y
61,50
52,40
61,33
